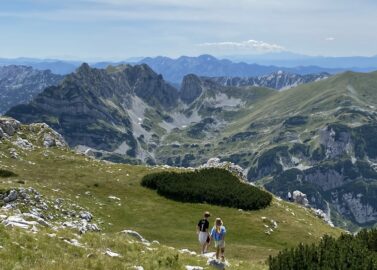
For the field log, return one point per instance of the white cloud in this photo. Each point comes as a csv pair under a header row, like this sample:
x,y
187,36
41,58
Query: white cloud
x,y
330,39
251,44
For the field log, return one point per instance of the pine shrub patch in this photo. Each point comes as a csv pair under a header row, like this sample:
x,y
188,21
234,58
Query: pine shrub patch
x,y
213,186
347,252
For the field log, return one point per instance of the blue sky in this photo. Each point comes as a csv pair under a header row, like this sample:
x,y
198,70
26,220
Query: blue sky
x,y
118,29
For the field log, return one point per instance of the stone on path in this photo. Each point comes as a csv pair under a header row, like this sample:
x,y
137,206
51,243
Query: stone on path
x,y
110,253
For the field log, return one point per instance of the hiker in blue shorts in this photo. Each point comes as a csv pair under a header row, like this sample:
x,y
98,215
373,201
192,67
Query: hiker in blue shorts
x,y
218,235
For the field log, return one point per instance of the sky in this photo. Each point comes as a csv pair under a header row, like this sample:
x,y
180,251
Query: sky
x,y
120,29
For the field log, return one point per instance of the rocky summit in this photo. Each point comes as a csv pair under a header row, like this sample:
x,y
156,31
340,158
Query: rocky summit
x,y
315,138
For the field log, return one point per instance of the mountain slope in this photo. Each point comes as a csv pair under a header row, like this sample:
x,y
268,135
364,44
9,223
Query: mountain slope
x,y
92,106
317,138
20,84
278,80
112,194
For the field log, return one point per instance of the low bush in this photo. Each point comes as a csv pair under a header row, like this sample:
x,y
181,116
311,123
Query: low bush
x,y
6,173
213,186
347,252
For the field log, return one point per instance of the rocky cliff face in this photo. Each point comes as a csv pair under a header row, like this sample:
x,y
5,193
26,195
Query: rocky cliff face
x,y
20,84
339,172
191,88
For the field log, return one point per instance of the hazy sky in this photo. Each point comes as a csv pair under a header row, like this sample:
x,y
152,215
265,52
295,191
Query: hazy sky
x,y
118,29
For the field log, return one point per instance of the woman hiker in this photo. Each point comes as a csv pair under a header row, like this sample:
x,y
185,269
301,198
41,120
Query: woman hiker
x,y
218,234
202,231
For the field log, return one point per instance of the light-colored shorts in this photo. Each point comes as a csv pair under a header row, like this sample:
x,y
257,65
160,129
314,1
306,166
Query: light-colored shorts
x,y
220,244
203,237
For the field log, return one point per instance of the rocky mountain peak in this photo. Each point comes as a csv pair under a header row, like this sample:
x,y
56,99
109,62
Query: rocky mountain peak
x,y
151,86
191,88
84,68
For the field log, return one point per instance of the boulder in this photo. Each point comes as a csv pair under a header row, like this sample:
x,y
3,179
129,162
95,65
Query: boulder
x,y
73,242
189,267
86,215
300,198
136,235
12,196
110,253
90,153
53,139
9,126
19,221
216,264
24,144
13,153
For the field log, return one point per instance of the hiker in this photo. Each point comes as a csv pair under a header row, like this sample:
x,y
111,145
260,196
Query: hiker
x,y
290,196
202,231
218,235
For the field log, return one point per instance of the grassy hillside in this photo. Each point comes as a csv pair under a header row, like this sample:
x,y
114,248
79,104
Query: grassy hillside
x,y
59,173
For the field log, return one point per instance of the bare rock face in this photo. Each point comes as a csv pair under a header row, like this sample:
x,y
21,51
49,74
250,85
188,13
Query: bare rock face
x,y
353,206
327,180
191,88
8,126
336,143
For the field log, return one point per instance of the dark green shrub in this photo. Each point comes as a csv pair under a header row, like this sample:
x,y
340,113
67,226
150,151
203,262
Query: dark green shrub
x,y
347,252
213,186
296,121
6,173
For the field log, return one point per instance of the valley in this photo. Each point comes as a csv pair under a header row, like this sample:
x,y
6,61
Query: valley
x,y
314,137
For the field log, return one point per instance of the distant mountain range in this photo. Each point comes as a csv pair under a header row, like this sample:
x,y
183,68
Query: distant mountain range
x,y
20,84
318,137
288,59
173,70
56,66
